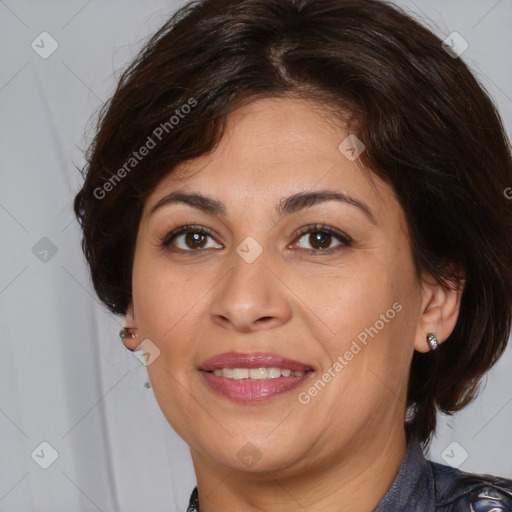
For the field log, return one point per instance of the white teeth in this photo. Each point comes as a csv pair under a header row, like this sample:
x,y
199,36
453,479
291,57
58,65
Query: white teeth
x,y
239,373
273,372
258,373
255,373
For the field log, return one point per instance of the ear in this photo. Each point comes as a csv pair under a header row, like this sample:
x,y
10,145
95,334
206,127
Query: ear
x,y
440,309
130,321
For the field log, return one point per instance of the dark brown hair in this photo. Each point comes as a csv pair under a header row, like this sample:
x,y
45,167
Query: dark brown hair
x,y
429,127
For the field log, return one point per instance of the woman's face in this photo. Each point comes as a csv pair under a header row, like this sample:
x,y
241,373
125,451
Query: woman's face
x,y
267,277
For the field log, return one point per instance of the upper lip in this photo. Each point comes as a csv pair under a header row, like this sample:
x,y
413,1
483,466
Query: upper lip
x,y
252,360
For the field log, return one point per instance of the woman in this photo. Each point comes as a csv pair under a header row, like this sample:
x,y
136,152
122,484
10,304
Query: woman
x,y
299,207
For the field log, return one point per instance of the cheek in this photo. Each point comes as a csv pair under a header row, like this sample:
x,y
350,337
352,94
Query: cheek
x,y
171,308
366,314
167,305
162,293
351,296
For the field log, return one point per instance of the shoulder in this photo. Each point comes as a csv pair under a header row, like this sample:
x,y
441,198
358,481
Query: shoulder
x,y
459,491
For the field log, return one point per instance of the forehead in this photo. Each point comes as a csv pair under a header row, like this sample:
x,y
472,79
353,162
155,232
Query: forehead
x,y
272,148
275,131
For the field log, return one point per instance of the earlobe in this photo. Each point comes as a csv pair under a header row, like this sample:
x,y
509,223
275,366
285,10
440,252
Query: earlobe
x,y
439,314
129,333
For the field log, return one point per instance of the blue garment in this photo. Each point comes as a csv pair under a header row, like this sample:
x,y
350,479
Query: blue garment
x,y
426,486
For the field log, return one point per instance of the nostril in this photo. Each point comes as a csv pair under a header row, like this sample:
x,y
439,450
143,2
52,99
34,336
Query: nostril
x,y
265,320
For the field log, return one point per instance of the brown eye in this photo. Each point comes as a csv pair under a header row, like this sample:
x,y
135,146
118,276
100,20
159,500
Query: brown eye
x,y
195,240
320,238
187,239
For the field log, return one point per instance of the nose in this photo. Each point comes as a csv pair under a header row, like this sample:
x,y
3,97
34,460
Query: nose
x,y
250,297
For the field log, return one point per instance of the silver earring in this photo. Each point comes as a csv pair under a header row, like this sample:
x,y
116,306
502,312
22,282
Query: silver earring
x,y
432,340
127,332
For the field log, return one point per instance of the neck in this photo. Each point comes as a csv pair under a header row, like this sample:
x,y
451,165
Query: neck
x,y
356,479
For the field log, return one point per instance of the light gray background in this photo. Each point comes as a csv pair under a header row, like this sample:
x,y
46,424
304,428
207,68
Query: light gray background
x,y
65,377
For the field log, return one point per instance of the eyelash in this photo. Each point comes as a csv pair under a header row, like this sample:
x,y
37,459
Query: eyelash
x,y
345,240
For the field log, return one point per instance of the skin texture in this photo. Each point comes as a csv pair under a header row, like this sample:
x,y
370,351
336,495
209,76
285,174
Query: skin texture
x,y
342,450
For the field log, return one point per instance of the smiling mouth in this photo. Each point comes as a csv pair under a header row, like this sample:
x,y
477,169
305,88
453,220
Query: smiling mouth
x,y
253,377
255,374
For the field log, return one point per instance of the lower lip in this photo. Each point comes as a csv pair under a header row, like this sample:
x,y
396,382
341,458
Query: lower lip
x,y
251,391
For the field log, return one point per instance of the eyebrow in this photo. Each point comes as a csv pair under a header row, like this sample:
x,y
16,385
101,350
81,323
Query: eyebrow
x,y
286,206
